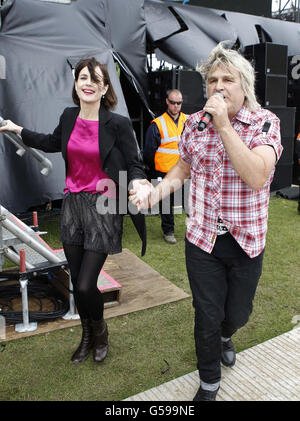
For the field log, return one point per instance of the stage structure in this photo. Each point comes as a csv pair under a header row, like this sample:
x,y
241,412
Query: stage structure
x,y
16,140
252,7
41,42
23,245
287,10
38,265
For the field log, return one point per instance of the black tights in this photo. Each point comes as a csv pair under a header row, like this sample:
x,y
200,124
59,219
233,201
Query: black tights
x,y
85,266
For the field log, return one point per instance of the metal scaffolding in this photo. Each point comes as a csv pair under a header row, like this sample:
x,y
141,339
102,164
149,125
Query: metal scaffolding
x,y
286,10
23,245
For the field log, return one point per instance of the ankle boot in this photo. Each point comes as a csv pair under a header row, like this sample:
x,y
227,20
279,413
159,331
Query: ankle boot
x,y
100,340
87,340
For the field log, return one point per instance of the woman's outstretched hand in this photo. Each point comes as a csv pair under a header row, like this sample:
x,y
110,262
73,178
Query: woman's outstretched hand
x,y
9,126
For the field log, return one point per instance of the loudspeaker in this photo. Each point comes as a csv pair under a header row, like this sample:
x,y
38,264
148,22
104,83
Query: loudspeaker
x,y
287,131
271,90
269,58
283,177
271,65
286,116
159,82
287,156
293,99
189,82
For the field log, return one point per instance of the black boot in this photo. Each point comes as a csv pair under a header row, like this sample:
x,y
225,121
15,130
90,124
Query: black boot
x,y
86,344
100,340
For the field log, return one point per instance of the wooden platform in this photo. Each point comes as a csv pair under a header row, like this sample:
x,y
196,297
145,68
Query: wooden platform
x,y
110,288
142,287
266,372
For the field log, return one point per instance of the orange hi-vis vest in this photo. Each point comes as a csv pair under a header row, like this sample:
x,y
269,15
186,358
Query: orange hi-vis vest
x,y
167,154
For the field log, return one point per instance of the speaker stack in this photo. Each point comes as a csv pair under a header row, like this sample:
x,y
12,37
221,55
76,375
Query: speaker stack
x,y
189,82
283,176
271,66
294,101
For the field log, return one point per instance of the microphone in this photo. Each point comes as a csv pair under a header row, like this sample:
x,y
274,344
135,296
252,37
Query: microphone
x,y
207,117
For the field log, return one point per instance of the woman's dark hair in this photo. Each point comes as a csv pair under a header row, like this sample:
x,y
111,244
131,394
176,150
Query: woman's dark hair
x,y
110,99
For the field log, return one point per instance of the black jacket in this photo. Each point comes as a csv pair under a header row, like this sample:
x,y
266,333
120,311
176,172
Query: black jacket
x,y
117,146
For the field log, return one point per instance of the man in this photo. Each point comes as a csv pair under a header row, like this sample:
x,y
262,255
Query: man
x,y
231,165
161,152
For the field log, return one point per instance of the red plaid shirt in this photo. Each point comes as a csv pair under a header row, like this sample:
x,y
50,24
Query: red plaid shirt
x,y
216,189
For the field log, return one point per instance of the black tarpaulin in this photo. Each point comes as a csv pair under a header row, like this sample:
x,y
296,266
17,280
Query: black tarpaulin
x,y
201,29
184,35
39,41
249,28
161,22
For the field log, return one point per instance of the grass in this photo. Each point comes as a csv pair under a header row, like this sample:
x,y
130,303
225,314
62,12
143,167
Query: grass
x,y
150,347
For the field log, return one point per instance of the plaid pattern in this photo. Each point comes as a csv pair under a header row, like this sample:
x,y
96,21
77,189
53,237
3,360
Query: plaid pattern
x,y
218,191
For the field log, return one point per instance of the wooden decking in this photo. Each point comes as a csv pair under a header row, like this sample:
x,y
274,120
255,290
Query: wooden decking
x,y
266,372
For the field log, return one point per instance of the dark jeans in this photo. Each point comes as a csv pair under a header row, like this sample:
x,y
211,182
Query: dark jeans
x,y
223,286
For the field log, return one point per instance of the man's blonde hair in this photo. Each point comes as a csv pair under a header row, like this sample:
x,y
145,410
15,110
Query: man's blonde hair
x,y
232,59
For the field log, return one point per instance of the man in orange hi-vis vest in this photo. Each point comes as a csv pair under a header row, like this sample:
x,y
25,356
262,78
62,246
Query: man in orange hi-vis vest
x,y
161,152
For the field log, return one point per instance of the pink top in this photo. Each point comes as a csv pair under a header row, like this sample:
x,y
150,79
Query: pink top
x,y
84,165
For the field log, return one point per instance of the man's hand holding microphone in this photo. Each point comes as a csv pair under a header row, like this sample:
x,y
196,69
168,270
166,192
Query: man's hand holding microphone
x,y
215,111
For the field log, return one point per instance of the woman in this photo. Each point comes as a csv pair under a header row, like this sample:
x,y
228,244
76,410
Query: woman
x,y
96,145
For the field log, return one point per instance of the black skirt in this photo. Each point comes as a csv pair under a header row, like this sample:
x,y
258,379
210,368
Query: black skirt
x,y
91,220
